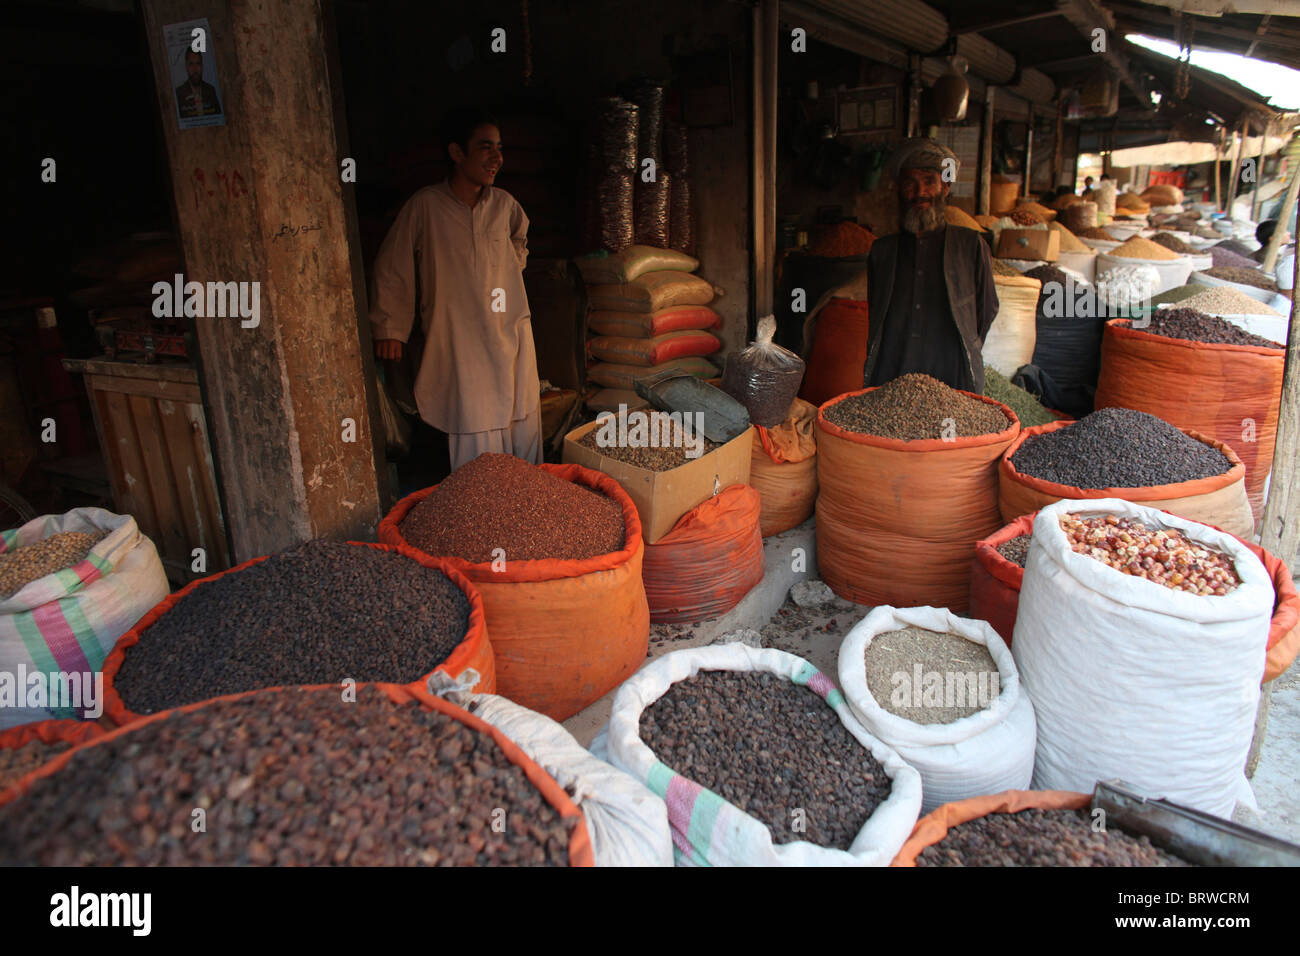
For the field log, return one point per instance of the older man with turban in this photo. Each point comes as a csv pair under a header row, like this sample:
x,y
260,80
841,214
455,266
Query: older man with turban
x,y
930,291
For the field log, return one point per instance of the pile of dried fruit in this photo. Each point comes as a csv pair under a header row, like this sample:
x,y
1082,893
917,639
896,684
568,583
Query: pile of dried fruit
x,y
663,447
1173,243
1027,408
1226,301
914,407
769,747
1118,448
499,501
16,762
1005,270
1139,248
1250,277
21,566
1192,326
1164,557
1041,838
314,614
289,778
1017,549
967,681
1026,217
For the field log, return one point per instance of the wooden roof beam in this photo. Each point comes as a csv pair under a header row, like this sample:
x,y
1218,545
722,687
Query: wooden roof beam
x,y
1088,16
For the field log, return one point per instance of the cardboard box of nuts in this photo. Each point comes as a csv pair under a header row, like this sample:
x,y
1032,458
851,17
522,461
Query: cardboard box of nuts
x,y
662,497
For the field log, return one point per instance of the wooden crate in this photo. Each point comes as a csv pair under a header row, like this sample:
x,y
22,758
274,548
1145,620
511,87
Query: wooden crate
x,y
154,438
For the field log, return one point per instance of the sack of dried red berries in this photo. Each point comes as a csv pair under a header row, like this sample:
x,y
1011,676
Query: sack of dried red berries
x,y
1138,639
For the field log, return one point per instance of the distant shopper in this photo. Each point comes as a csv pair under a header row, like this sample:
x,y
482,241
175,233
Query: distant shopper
x,y
1087,185
455,257
930,291
1263,233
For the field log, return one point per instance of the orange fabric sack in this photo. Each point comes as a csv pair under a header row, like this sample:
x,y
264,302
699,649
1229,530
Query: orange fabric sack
x,y
475,651
47,732
934,826
580,850
564,632
1212,389
1219,501
995,581
654,351
783,469
897,521
644,325
711,559
839,351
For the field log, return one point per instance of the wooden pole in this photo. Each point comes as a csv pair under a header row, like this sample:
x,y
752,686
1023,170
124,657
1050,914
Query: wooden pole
x,y
1284,214
1259,171
762,256
986,150
1057,146
291,401
1280,530
1235,172
771,27
1218,152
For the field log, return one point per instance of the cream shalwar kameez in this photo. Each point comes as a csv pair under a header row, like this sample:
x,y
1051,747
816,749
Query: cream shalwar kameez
x,y
454,264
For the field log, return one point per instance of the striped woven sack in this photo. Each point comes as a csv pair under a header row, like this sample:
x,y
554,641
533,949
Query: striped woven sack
x,y
709,831
56,631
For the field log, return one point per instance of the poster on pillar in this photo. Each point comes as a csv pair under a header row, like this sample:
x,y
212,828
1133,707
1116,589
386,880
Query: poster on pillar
x,y
194,74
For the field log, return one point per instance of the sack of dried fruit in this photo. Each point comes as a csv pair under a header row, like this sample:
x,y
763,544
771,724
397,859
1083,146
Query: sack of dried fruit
x,y
1236,378
627,823
65,601
936,451
556,552
996,573
701,724
1132,675
955,709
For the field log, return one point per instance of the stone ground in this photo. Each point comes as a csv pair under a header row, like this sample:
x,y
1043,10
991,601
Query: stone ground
x,y
815,633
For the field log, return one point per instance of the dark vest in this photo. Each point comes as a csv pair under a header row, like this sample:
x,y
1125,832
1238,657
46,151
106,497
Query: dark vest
x,y
965,256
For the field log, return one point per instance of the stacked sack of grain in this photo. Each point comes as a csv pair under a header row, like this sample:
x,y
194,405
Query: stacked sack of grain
x,y
649,314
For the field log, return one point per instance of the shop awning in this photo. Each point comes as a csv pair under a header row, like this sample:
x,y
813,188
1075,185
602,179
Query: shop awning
x,y
1187,154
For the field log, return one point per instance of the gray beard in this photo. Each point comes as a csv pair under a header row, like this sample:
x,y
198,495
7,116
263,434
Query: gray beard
x,y
917,221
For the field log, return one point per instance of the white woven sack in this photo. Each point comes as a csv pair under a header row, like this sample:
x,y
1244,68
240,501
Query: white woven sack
x,y
627,823
1137,681
708,831
66,623
1010,340
987,752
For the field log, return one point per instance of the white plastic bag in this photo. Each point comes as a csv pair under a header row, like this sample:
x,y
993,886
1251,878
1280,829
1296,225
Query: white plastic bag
x,y
987,752
724,835
627,823
1134,680
66,623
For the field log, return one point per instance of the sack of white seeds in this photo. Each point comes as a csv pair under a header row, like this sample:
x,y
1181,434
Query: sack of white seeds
x,y
1134,680
627,823
988,751
63,624
709,831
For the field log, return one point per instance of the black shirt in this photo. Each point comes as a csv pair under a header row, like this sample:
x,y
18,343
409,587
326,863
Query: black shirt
x,y
919,334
